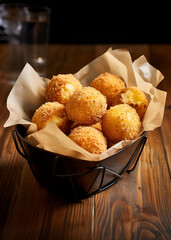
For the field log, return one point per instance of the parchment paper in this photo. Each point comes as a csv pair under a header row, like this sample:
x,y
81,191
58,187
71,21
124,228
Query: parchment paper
x,y
28,94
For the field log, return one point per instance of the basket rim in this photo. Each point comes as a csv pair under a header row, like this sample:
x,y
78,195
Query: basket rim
x,y
144,134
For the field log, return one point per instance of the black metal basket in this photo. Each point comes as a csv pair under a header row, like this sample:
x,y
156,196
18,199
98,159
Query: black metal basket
x,y
82,178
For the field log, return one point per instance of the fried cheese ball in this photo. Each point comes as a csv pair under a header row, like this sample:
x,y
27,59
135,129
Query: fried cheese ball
x,y
51,111
121,122
109,85
135,97
61,87
98,126
89,138
86,106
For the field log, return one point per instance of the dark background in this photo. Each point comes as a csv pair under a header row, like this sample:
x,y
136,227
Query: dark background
x,y
108,22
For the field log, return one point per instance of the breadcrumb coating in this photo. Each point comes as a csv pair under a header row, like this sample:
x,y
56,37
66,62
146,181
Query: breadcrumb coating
x,y
109,85
86,106
121,122
61,87
98,126
89,138
135,97
51,111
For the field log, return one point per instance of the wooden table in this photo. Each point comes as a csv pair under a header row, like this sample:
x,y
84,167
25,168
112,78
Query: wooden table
x,y
137,207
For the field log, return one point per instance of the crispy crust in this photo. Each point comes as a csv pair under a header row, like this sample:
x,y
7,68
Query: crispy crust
x,y
97,125
61,87
121,122
109,85
135,97
89,138
86,106
51,111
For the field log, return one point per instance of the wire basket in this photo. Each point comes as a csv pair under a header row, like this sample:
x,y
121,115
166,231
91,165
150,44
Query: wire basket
x,y
79,178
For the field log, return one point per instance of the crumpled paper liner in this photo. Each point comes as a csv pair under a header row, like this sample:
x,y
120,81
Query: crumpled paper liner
x,y
28,94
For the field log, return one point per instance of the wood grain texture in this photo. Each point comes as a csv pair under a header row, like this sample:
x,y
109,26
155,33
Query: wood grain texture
x,y
137,207
160,56
141,213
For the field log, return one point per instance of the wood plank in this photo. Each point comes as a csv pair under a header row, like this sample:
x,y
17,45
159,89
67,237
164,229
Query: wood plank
x,y
68,220
135,208
34,211
11,164
26,214
68,58
161,58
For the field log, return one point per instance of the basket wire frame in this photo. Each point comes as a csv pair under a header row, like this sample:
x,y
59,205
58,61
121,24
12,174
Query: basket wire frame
x,y
129,167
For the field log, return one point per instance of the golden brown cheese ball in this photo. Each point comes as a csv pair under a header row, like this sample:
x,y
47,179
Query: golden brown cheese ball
x,y
61,87
86,106
89,138
51,111
135,97
121,122
98,126
109,85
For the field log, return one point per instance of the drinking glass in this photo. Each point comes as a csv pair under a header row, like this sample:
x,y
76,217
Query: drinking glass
x,y
35,36
10,19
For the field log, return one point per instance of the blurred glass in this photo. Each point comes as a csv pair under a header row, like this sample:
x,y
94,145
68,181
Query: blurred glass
x,y
10,20
35,30
27,29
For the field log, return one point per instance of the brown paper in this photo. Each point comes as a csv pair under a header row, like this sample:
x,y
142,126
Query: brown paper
x,y
28,94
